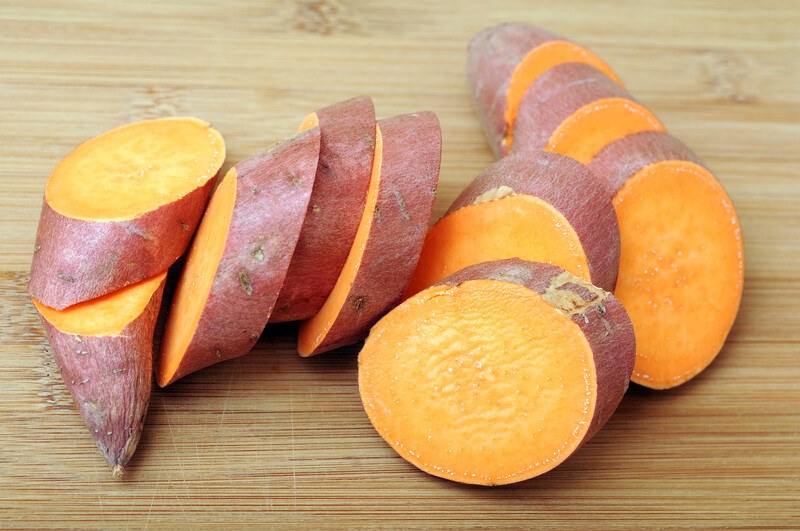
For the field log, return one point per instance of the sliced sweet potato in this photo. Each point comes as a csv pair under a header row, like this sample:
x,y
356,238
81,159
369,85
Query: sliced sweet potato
x,y
575,110
347,133
682,262
504,61
122,207
104,348
402,189
238,260
497,374
536,206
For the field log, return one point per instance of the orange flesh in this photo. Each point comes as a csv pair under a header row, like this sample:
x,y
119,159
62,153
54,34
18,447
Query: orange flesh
x,y
197,278
483,383
313,331
537,62
681,269
594,126
135,169
312,120
104,316
514,226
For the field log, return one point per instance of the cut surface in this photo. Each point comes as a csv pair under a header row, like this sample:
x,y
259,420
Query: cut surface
x,y
538,61
107,315
482,383
681,269
195,282
313,330
135,169
592,127
513,226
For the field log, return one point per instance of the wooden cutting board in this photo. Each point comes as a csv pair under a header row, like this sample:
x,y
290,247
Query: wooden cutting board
x,y
273,439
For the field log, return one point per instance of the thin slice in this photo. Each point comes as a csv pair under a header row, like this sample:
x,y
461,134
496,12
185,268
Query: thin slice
x,y
122,207
536,206
575,110
347,139
405,173
104,349
682,262
504,61
497,374
239,258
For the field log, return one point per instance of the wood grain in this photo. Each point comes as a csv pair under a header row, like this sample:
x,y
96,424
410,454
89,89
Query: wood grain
x,y
274,440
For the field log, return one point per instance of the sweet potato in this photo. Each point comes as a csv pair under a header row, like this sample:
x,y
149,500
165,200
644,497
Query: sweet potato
x,y
682,261
402,189
504,61
575,110
104,349
122,207
498,373
536,206
238,260
347,140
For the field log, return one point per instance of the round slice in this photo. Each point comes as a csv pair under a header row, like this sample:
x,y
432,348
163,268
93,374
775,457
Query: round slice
x,y
504,61
497,374
682,259
536,206
576,110
122,207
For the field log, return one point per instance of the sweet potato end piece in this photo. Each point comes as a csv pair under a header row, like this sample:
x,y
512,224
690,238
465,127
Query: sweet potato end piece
x,y
499,224
681,269
462,382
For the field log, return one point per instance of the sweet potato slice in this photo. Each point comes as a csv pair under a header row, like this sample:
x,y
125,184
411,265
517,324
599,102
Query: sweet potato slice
x,y
104,348
347,139
497,374
239,258
575,110
405,173
682,262
536,206
504,61
122,207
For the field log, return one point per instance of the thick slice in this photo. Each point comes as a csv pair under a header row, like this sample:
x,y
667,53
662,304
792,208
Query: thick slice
x,y
576,110
122,207
497,374
540,207
239,258
504,61
104,348
347,139
405,174
682,262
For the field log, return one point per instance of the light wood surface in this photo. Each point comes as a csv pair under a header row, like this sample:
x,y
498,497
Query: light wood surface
x,y
274,440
